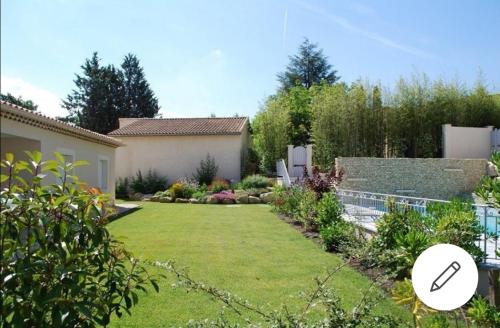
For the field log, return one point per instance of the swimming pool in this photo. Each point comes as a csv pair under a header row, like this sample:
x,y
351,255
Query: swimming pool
x,y
376,205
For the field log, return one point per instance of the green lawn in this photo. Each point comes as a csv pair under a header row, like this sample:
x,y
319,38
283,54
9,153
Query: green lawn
x,y
245,249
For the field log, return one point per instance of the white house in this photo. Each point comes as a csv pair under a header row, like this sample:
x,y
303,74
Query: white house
x,y
22,130
174,147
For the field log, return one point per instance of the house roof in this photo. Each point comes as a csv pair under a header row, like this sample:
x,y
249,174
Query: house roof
x,y
33,118
181,126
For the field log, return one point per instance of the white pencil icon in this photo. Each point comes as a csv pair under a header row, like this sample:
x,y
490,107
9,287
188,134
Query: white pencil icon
x,y
446,275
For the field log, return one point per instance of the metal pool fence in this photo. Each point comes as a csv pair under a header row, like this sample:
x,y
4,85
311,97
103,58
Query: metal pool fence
x,y
374,205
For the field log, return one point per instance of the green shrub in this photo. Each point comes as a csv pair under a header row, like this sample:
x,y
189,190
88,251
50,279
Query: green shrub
x,y
176,190
482,313
149,184
457,224
60,267
296,202
338,236
403,234
306,212
255,181
329,210
122,188
207,170
199,195
397,221
408,247
218,185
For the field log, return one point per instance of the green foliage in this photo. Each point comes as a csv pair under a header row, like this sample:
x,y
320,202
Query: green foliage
x,y
306,211
361,120
287,200
176,190
408,247
271,132
403,234
489,188
338,236
149,184
403,294
482,313
329,210
457,224
207,170
310,66
19,101
60,267
122,188
255,181
299,112
438,321
397,221
96,101
199,195
184,188
138,98
103,94
218,185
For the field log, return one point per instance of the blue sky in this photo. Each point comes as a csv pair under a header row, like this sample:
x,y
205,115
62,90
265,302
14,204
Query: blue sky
x,y
221,57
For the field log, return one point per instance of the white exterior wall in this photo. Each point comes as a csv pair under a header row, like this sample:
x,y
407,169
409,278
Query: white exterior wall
x,y
179,156
466,143
49,142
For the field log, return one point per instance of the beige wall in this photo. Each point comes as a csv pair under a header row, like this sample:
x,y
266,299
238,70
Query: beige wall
x,y
180,156
465,142
17,136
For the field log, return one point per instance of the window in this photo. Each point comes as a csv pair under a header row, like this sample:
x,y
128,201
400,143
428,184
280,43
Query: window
x,y
103,174
69,157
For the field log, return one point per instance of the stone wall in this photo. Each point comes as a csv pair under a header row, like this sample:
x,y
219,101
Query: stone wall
x,y
438,178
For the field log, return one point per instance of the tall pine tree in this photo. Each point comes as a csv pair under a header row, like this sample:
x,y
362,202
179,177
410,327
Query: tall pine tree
x,y
307,68
95,103
139,99
103,94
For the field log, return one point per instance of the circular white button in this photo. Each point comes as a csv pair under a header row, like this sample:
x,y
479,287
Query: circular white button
x,y
444,277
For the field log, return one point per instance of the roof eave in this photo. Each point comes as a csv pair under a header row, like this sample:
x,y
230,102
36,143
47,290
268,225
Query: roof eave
x,y
17,113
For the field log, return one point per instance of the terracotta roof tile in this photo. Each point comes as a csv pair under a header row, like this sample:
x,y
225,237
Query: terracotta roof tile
x,y
182,126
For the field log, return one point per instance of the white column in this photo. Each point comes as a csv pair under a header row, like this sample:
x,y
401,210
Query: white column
x,y
445,128
290,160
309,161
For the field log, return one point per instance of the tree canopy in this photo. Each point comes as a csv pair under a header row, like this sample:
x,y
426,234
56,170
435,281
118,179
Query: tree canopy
x,y
308,67
363,119
139,99
103,94
19,101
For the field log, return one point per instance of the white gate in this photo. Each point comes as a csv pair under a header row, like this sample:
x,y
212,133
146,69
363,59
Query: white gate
x,y
495,140
299,161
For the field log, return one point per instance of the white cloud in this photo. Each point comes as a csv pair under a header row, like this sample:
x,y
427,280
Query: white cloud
x,y
48,102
